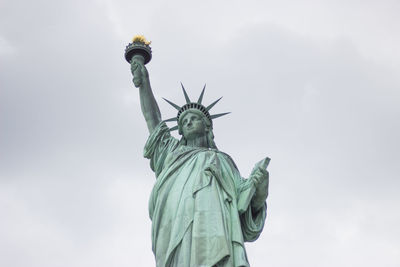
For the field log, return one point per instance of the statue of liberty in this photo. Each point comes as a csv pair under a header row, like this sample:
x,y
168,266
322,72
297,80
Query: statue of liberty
x,y
201,208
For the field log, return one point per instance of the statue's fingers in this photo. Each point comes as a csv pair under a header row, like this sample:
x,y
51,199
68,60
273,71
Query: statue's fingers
x,y
260,172
256,183
137,71
143,70
264,172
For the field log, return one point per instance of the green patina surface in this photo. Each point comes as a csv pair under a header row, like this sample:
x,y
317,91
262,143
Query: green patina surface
x,y
202,209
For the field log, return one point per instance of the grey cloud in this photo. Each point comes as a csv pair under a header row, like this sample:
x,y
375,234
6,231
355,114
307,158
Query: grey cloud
x,y
74,185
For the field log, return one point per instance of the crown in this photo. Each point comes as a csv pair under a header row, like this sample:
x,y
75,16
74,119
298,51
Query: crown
x,y
194,105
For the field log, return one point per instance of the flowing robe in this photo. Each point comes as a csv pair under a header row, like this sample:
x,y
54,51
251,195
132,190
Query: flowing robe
x,y
200,206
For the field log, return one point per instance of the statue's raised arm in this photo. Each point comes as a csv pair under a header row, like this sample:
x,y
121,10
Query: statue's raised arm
x,y
138,54
148,103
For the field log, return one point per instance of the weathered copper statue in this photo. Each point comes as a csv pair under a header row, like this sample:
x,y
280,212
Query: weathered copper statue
x,y
201,208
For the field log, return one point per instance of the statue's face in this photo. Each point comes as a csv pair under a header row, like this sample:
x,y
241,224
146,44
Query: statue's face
x,y
193,125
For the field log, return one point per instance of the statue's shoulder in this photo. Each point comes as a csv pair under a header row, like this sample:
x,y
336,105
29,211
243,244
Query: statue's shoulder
x,y
227,158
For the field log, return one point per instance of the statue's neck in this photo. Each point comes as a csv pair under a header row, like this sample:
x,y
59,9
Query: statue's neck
x,y
200,141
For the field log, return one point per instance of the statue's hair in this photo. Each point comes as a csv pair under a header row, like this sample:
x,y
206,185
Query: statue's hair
x,y
208,123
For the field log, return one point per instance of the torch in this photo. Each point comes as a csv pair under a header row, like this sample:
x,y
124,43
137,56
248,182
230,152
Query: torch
x,y
139,47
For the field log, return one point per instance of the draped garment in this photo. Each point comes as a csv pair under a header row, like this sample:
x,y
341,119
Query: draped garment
x,y
200,206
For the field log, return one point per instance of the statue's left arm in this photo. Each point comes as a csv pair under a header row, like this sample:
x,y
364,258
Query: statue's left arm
x,y
252,205
250,196
252,192
260,178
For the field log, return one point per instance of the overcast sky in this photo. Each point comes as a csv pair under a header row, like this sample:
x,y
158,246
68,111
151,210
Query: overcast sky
x,y
314,85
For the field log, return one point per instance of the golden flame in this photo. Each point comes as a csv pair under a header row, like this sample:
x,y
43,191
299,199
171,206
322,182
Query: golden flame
x,y
140,39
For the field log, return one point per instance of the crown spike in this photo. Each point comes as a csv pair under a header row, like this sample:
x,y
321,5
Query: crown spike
x,y
219,115
186,95
213,104
172,104
201,95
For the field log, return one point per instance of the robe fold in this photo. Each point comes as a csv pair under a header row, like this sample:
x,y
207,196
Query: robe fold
x,y
200,206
